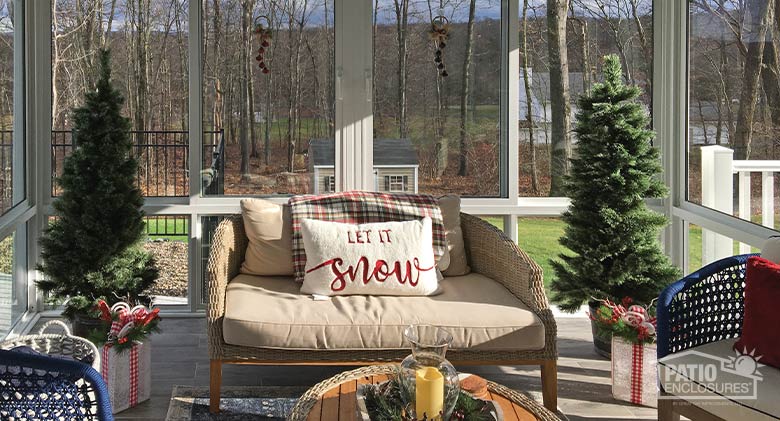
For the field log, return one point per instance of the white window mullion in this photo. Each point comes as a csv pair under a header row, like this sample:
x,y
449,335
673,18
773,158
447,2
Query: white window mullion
x,y
510,97
670,114
38,87
354,118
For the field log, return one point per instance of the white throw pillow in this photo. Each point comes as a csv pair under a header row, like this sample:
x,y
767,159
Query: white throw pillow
x,y
388,258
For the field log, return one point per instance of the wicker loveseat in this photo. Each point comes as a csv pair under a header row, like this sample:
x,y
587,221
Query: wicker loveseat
x,y
496,262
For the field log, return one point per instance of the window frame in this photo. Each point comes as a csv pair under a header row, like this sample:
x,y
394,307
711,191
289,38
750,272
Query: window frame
x,y
330,184
354,133
394,180
670,119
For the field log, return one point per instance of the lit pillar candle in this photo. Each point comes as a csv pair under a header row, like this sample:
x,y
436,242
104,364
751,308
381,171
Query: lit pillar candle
x,y
429,395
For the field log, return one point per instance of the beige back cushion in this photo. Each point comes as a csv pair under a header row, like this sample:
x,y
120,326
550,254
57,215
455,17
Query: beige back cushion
x,y
269,229
450,212
771,249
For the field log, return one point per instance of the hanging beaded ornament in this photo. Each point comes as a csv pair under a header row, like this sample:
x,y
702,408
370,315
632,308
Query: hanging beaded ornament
x,y
265,34
440,34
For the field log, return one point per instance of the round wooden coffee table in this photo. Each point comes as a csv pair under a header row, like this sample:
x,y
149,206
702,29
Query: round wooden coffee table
x,y
335,398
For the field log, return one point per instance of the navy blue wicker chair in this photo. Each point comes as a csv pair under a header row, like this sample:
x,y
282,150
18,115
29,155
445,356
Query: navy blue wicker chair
x,y
705,306
702,308
39,387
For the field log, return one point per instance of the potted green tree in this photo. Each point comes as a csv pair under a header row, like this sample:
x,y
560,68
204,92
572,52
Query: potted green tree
x,y
611,232
91,250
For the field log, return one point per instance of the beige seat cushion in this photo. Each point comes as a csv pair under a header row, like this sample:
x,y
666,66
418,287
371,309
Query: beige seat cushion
x,y
269,230
709,398
269,312
458,264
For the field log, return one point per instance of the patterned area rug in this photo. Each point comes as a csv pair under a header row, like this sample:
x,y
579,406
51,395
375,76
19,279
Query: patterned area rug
x,y
237,403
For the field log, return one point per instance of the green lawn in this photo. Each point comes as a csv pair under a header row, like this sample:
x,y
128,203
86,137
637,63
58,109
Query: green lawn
x,y
158,228
539,238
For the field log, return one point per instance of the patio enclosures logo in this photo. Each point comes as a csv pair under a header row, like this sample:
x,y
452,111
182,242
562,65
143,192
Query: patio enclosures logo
x,y
695,375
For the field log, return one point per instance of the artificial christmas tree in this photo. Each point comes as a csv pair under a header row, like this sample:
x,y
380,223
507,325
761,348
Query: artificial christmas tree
x,y
91,250
610,230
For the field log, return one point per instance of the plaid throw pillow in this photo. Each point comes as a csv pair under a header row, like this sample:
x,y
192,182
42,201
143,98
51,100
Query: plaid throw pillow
x,y
359,207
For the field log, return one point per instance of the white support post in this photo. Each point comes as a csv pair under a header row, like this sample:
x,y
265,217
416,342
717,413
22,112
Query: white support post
x,y
768,199
744,204
717,192
510,227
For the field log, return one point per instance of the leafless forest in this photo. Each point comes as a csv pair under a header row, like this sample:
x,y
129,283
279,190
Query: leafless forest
x,y
268,119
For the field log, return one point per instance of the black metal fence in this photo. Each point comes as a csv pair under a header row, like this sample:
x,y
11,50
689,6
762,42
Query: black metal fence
x,y
163,161
167,226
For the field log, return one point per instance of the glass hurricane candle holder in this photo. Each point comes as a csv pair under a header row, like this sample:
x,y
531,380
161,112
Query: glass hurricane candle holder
x,y
431,381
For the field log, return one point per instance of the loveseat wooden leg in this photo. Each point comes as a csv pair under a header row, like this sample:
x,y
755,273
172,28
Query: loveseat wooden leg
x,y
215,384
550,385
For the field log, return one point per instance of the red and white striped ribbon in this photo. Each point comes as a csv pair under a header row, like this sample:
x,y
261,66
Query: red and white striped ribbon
x,y
104,363
637,355
134,375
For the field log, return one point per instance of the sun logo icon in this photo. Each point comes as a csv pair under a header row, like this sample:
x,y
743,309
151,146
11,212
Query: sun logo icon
x,y
745,363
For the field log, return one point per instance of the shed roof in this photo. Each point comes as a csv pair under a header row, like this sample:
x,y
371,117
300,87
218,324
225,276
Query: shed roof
x,y
386,152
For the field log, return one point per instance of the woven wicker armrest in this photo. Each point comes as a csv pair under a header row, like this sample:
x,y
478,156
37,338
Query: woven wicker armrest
x,y
225,257
705,306
493,254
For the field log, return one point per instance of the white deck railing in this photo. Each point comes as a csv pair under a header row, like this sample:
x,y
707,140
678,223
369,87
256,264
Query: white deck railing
x,y
717,192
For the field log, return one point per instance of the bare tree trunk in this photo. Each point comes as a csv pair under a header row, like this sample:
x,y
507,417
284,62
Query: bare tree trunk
x,y
761,13
109,24
440,118
254,153
559,95
584,49
216,11
293,112
402,20
55,65
464,91
529,97
182,49
703,122
771,70
244,117
142,29
644,43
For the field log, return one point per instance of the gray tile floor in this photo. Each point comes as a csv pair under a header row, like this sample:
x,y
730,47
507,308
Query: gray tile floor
x,y
180,357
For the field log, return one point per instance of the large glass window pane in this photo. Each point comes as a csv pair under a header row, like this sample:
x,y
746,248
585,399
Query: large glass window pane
x,y
595,28
168,240
734,108
13,294
268,97
148,42
11,85
437,101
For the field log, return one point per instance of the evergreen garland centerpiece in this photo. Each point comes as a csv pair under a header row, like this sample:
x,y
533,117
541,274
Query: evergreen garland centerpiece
x,y
385,402
91,251
610,230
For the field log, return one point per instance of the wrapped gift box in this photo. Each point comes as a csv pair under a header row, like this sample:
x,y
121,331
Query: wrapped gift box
x,y
127,374
634,372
